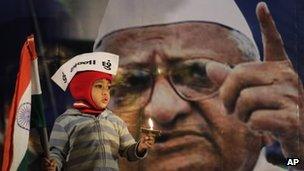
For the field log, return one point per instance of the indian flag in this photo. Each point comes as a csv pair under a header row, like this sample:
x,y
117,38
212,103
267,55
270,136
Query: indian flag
x,y
23,109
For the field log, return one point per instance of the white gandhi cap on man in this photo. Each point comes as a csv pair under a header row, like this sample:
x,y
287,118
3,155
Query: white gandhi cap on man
x,y
96,61
120,14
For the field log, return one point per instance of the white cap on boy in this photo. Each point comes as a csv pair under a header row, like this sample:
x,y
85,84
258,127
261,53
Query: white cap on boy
x,y
96,61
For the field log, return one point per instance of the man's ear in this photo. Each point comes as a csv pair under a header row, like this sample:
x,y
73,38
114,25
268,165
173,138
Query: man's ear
x,y
217,72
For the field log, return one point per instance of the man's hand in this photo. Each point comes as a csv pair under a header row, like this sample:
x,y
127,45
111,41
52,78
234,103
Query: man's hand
x,y
146,142
268,95
49,164
258,101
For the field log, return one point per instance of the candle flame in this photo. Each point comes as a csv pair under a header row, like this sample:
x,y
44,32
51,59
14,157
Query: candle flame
x,y
150,122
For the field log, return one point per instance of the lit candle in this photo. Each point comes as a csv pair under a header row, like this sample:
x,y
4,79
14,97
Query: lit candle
x,y
150,122
150,130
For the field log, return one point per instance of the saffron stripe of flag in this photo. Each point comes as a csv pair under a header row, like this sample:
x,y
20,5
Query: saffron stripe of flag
x,y
19,117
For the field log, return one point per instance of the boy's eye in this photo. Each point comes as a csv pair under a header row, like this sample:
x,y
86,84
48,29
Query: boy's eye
x,y
98,86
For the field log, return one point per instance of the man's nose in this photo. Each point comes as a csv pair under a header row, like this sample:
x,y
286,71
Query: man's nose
x,y
165,105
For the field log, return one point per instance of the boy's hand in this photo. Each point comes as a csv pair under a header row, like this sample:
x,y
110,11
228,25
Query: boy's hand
x,y
146,142
49,164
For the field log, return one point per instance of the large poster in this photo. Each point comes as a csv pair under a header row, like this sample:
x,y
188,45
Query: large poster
x,y
216,77
193,67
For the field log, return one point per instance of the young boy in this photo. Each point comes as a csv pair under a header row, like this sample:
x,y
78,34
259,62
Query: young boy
x,y
89,136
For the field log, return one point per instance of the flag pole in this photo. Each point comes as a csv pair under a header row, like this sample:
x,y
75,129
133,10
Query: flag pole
x,y
41,52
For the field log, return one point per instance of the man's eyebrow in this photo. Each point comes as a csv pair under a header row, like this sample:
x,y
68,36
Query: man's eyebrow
x,y
137,65
193,57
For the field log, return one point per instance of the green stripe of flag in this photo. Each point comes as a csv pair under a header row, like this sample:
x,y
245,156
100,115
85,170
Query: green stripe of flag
x,y
37,114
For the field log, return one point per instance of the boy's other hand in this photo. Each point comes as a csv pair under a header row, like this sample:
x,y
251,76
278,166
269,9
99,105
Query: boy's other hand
x,y
49,164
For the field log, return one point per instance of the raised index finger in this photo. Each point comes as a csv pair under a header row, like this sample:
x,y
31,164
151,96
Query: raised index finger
x,y
272,42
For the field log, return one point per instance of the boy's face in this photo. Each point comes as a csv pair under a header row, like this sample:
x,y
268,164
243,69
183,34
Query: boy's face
x,y
101,92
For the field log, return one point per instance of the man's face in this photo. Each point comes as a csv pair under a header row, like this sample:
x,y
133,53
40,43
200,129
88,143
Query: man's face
x,y
163,72
101,93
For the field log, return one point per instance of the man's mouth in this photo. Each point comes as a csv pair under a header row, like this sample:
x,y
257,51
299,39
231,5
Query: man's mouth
x,y
182,150
172,141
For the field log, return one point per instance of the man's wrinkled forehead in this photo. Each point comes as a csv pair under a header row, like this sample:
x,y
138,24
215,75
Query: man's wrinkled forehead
x,y
176,40
121,14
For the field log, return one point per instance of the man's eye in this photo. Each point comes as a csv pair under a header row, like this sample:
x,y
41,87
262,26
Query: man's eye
x,y
193,75
198,71
131,81
137,80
